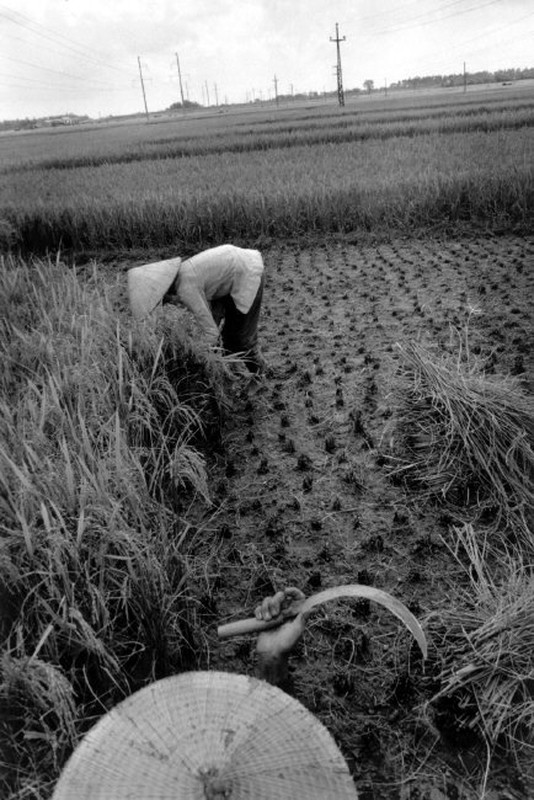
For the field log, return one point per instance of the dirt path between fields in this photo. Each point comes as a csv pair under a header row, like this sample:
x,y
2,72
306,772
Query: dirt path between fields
x,y
301,496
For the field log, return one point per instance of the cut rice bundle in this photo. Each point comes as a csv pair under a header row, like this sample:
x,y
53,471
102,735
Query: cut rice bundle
x,y
464,436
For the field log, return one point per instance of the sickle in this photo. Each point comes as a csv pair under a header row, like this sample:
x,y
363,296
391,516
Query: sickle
x,y
253,625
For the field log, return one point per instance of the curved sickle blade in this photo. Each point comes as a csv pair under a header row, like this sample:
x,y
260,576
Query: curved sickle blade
x,y
378,596
397,608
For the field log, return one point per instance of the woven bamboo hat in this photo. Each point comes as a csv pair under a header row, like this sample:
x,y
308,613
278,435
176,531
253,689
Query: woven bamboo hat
x,y
148,283
207,736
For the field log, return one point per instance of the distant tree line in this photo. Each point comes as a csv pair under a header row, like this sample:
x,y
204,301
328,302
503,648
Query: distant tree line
x,y
28,124
186,104
457,79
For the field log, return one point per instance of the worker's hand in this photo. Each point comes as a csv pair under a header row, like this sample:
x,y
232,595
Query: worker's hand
x,y
228,368
277,642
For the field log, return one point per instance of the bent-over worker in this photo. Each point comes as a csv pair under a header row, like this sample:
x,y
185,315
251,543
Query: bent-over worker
x,y
222,284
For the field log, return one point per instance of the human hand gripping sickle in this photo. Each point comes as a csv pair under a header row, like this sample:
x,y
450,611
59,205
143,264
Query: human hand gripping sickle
x,y
275,644
281,620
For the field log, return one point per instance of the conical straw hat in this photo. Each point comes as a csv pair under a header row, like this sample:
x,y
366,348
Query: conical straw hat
x,y
207,736
148,283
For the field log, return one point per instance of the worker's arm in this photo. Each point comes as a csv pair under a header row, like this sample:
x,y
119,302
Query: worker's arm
x,y
194,300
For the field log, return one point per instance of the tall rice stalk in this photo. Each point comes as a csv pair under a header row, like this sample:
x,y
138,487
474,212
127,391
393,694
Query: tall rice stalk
x,y
380,184
94,440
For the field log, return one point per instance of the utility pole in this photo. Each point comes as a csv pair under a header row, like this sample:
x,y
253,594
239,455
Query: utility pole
x,y
216,94
340,93
275,81
180,81
207,94
142,86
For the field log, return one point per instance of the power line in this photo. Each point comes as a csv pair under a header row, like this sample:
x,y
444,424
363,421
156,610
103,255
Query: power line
x,y
41,46
494,30
431,16
460,49
428,17
56,71
456,48
49,88
37,83
54,37
400,9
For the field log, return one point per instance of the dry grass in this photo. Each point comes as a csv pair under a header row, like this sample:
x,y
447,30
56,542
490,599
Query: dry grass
x,y
486,641
465,437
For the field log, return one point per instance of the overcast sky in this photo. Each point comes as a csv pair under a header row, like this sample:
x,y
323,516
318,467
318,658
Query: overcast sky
x,y
81,56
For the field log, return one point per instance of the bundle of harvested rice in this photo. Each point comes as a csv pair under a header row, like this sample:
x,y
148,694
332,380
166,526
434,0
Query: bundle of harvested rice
x,y
464,436
487,642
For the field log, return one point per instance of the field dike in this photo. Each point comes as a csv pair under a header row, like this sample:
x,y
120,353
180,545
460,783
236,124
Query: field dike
x,y
150,492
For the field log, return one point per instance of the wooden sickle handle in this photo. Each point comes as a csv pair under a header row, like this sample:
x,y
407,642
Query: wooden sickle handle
x,y
244,626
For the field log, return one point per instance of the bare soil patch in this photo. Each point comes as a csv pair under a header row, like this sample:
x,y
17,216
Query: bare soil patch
x,y
301,496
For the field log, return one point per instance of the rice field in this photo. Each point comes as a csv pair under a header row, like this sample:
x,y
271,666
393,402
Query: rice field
x,y
195,182
255,128
148,493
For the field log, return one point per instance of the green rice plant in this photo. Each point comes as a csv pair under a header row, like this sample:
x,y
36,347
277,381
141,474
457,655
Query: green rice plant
x,y
355,175
486,640
465,437
243,132
96,455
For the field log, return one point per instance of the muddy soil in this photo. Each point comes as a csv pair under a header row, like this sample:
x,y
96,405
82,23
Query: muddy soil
x,y
301,495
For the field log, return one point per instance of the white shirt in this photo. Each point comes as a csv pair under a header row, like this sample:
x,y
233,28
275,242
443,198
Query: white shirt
x,y
215,273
